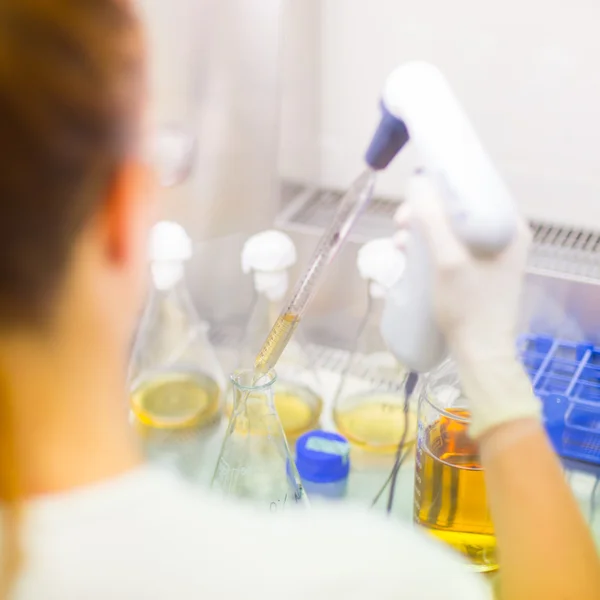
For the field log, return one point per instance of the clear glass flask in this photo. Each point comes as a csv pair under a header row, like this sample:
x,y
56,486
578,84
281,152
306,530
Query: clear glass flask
x,y
369,403
255,462
175,378
450,493
268,256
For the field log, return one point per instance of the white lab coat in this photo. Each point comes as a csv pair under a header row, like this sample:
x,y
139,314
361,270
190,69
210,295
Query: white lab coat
x,y
149,536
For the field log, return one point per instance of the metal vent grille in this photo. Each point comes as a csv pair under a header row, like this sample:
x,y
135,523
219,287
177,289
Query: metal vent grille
x,y
565,252
343,362
557,251
329,358
313,209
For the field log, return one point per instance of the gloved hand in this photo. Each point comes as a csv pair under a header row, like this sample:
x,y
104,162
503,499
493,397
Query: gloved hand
x,y
476,304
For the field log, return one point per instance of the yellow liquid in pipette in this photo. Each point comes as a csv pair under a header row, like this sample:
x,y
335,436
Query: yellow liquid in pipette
x,y
299,409
275,344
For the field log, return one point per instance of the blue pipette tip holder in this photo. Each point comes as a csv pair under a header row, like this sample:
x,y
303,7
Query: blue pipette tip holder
x,y
566,377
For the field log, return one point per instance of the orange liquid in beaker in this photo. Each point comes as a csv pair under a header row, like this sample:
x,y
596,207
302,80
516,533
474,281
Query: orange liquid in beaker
x,y
450,493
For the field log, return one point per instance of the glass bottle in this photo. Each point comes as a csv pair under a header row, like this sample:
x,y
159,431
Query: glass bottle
x,y
268,256
175,378
255,461
450,495
369,403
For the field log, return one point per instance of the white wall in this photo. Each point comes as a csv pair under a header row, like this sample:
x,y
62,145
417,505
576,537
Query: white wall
x,y
215,70
527,71
299,156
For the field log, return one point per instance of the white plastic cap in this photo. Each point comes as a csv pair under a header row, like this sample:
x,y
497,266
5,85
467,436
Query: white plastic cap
x,y
268,255
170,247
170,242
380,262
268,251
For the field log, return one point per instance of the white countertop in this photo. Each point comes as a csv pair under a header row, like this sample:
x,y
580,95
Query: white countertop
x,y
194,454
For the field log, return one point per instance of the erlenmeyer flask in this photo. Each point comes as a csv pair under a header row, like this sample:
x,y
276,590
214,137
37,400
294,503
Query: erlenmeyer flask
x,y
255,462
268,256
175,379
369,403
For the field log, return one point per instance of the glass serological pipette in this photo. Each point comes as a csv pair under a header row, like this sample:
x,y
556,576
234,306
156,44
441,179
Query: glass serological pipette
x,y
354,201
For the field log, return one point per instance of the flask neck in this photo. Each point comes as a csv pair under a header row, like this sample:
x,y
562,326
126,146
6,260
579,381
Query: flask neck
x,y
370,339
167,274
247,380
176,294
257,404
171,315
254,393
375,307
273,285
262,316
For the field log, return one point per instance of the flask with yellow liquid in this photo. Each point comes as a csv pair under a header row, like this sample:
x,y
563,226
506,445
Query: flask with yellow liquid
x,y
369,403
268,256
175,378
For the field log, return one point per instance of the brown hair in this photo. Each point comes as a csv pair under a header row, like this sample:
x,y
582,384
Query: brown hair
x,y
71,78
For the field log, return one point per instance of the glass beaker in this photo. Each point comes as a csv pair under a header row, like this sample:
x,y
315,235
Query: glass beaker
x,y
255,461
450,492
174,376
369,403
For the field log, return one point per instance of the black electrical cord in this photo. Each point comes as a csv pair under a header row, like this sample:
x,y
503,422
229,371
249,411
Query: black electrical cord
x,y
398,460
401,452
401,455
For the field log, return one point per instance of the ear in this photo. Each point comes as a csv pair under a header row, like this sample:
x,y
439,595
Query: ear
x,y
129,212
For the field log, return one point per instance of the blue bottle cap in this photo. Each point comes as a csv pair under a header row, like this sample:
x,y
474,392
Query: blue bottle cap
x,y
322,457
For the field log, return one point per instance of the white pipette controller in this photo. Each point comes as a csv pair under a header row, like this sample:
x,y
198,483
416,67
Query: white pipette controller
x,y
419,105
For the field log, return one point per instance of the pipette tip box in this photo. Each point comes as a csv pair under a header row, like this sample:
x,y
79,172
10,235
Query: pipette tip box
x,y
566,377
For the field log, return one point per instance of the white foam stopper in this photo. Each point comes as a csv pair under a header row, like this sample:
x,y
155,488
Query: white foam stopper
x,y
170,247
269,254
381,263
170,242
268,251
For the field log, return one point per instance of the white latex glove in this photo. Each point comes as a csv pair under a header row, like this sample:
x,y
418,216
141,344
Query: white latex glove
x,y
476,304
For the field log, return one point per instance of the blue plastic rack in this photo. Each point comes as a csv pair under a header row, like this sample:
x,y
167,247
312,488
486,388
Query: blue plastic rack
x,y
566,377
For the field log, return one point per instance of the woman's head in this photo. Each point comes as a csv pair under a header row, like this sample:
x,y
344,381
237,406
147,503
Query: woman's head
x,y
73,216
71,95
